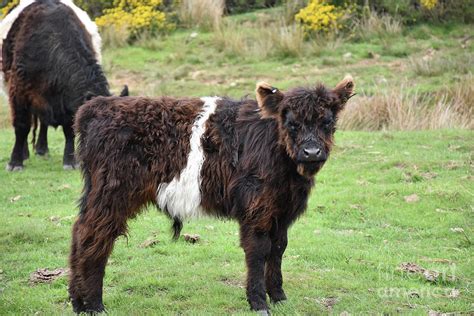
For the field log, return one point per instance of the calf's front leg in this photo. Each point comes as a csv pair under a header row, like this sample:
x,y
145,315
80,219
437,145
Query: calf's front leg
x,y
273,276
257,246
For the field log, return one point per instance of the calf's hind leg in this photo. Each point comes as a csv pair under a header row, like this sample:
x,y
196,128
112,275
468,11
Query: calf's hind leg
x,y
93,240
103,218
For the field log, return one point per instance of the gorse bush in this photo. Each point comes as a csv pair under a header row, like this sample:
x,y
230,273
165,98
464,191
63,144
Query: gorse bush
x,y
135,16
320,16
429,4
9,6
95,8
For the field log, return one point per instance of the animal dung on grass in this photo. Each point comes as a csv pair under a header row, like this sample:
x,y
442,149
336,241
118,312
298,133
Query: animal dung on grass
x,y
253,161
47,276
191,238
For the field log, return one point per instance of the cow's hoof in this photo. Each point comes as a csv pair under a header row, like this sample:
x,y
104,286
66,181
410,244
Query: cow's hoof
x,y
277,297
70,166
263,312
42,152
13,168
94,310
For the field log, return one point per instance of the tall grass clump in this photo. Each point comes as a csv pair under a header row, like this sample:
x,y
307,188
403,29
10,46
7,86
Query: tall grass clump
x,y
206,14
399,110
291,8
230,39
372,24
277,39
115,36
428,66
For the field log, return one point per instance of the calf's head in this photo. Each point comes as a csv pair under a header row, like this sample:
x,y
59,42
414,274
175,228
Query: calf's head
x,y
306,119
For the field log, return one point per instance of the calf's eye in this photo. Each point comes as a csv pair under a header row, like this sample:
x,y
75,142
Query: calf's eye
x,y
293,127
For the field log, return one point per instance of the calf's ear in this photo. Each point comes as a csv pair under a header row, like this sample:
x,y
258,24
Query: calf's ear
x,y
345,89
268,98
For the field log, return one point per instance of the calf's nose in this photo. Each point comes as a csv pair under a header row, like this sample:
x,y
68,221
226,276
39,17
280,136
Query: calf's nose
x,y
312,153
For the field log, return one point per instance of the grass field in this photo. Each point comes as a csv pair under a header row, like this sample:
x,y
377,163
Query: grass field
x,y
384,198
343,254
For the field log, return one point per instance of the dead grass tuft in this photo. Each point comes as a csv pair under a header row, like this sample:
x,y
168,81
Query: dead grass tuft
x,y
206,14
278,40
398,110
434,64
373,24
113,37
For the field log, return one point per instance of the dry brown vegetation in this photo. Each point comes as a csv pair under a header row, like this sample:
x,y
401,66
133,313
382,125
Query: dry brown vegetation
x,y
373,24
399,110
277,39
203,13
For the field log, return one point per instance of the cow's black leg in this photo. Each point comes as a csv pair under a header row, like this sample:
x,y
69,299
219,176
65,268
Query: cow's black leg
x,y
21,124
26,151
41,148
257,246
69,162
273,277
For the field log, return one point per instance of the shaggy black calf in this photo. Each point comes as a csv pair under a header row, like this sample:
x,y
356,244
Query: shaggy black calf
x,y
50,55
253,161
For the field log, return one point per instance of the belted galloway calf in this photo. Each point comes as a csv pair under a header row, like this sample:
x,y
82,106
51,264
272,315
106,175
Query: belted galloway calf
x,y
50,61
252,161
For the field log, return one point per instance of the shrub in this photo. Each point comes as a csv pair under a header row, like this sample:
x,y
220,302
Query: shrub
x,y
319,16
9,6
412,11
136,16
429,4
94,8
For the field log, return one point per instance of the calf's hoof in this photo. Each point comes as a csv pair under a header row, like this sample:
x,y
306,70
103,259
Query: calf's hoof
x,y
79,307
94,310
263,312
12,167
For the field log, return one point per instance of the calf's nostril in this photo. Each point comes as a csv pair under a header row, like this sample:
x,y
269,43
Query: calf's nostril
x,y
318,152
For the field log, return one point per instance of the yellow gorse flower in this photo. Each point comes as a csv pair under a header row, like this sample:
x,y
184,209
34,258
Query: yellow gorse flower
x,y
9,6
135,15
319,16
429,4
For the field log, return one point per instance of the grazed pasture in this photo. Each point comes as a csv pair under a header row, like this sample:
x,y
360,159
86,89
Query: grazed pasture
x,y
343,254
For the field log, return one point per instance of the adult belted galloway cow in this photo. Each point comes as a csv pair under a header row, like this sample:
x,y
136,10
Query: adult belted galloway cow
x,y
50,62
252,161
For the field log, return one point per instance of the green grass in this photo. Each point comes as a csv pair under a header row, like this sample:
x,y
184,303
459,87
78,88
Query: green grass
x,y
180,64
358,227
357,230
